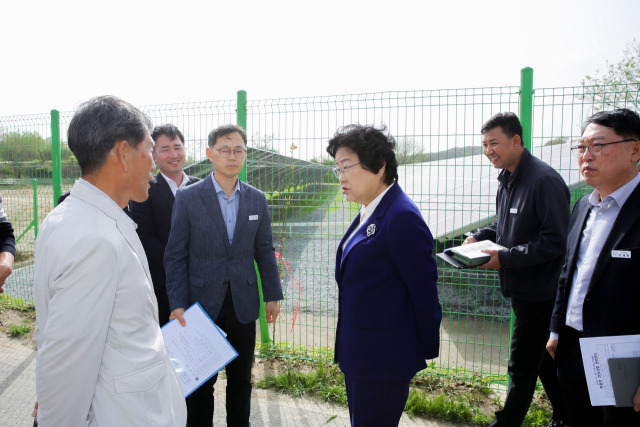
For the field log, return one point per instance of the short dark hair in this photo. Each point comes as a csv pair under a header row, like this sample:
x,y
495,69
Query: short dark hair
x,y
101,122
508,122
374,147
223,130
623,121
170,131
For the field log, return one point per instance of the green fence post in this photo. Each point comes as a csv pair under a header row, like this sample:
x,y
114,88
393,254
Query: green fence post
x,y
241,114
526,118
35,207
526,104
56,166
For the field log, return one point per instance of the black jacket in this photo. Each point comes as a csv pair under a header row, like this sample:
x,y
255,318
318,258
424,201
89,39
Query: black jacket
x,y
612,303
7,238
532,206
153,218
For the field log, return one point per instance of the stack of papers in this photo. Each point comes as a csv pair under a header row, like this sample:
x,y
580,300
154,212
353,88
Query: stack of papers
x,y
198,350
470,255
612,369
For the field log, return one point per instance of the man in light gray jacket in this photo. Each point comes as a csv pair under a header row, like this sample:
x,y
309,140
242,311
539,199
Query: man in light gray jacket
x,y
101,359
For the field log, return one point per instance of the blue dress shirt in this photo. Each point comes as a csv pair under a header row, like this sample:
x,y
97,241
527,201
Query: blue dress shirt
x,y
228,206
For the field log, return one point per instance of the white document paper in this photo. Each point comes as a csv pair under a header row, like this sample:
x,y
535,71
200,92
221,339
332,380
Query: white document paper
x,y
474,250
595,353
197,351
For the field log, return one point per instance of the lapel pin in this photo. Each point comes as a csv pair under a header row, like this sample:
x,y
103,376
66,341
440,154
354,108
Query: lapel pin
x,y
371,230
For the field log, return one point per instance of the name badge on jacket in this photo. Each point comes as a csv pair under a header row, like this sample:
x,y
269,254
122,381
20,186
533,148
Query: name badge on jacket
x,y
513,210
621,254
253,217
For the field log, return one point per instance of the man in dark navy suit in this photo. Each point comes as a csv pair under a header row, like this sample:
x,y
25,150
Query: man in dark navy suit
x,y
154,215
598,291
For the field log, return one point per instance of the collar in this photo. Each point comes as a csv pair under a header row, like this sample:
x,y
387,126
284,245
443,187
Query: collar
x,y
620,195
508,177
366,212
185,179
85,190
219,189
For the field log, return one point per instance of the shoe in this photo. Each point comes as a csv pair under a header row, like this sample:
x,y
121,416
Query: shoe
x,y
557,423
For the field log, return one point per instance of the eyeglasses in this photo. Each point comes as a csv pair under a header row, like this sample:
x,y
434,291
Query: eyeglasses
x,y
595,149
225,152
344,171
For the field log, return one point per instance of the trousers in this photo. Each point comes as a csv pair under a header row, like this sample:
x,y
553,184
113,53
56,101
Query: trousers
x,y
242,338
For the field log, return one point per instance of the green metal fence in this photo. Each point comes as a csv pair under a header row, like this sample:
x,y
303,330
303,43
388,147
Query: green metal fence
x,y
442,169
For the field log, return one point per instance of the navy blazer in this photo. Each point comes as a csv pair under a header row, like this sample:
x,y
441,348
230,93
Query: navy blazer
x,y
612,303
389,313
153,218
199,261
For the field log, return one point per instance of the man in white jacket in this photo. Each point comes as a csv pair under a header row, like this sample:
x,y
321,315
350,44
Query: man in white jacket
x,y
101,359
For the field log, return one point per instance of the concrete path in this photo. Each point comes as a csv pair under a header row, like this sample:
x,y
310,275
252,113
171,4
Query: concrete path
x,y
268,408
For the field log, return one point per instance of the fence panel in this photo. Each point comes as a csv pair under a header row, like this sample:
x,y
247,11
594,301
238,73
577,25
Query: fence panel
x,y
25,157
431,128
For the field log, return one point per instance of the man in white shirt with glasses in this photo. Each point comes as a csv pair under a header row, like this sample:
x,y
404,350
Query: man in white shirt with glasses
x,y
598,290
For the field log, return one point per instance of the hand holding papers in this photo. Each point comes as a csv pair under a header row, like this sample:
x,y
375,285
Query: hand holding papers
x,y
611,368
199,350
469,255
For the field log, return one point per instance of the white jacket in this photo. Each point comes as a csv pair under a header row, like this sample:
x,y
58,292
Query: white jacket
x,y
101,359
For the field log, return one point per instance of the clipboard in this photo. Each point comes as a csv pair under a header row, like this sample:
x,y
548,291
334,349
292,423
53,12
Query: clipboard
x,y
197,351
625,379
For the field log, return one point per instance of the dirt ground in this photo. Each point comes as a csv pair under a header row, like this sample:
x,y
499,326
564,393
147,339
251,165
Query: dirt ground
x,y
10,317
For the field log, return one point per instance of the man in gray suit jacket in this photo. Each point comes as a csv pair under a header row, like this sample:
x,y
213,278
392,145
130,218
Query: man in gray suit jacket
x,y
219,226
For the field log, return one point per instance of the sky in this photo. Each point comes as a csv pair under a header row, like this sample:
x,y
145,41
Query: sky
x,y
56,55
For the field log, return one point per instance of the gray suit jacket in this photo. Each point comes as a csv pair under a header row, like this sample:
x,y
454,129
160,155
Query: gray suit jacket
x,y
199,262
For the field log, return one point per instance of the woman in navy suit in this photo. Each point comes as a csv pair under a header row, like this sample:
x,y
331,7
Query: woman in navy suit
x,y
389,313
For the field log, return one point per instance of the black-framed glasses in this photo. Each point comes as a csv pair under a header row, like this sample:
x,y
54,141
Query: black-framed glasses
x,y
343,171
225,152
596,148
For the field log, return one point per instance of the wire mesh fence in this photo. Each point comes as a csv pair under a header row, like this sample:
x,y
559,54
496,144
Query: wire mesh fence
x,y
441,168
25,185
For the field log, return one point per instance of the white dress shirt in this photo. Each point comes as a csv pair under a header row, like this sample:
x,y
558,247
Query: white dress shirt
x,y
365,212
172,184
601,218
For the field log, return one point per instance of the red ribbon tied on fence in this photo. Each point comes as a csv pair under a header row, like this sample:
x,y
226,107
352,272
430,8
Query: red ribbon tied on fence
x,y
291,275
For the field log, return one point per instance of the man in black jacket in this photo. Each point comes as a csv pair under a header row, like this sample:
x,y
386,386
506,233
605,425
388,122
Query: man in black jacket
x,y
598,291
7,247
532,207
154,215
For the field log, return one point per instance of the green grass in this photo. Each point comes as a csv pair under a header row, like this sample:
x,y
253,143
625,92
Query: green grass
x,y
538,415
22,329
290,351
294,203
7,302
431,394
325,382
448,407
